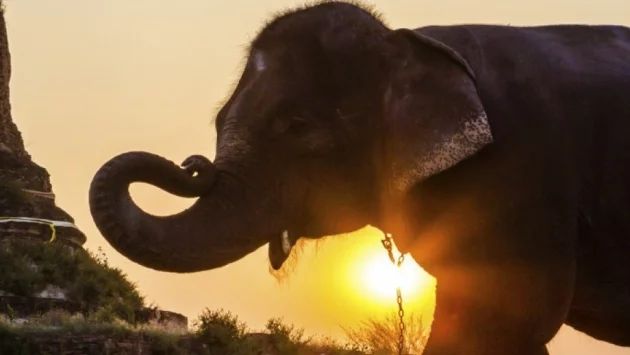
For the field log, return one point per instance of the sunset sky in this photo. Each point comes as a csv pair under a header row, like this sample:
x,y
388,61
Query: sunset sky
x,y
92,79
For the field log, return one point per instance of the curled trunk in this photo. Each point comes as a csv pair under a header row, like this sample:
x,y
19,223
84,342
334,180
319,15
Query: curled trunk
x,y
224,224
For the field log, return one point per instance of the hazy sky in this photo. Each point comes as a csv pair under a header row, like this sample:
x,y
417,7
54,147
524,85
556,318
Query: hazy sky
x,y
92,79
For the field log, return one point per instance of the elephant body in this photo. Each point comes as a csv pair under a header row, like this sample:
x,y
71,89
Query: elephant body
x,y
553,189
497,156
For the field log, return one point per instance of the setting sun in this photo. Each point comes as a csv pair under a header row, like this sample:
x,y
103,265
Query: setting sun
x,y
375,278
381,277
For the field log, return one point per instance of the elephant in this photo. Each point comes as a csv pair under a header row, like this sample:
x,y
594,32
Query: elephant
x,y
496,156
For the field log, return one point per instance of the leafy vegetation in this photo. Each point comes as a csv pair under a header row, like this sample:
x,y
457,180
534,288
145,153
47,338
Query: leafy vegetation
x,y
28,268
217,332
380,336
288,338
223,333
30,336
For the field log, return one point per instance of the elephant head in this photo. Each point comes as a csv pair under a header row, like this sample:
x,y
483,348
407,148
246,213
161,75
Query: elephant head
x,y
334,118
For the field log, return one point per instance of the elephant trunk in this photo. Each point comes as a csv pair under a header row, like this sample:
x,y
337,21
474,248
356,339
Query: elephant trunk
x,y
211,233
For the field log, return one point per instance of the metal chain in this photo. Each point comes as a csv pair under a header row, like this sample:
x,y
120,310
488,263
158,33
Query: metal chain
x,y
387,244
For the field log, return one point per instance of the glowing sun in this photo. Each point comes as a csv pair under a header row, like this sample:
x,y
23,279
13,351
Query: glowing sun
x,y
380,277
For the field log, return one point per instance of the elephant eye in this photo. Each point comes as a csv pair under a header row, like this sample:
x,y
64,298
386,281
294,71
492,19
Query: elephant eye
x,y
299,123
292,118
293,124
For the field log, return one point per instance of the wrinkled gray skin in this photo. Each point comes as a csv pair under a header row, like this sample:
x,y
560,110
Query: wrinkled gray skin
x,y
339,122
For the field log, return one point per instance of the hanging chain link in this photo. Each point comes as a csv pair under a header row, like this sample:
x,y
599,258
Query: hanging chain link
x,y
387,244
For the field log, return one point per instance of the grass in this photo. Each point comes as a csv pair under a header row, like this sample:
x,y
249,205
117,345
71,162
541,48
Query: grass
x,y
37,333
380,335
222,332
217,332
27,268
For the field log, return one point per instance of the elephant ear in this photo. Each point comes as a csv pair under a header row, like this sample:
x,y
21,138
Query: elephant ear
x,y
434,116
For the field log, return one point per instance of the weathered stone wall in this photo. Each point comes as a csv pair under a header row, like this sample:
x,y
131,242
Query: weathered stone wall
x,y
26,191
18,172
10,138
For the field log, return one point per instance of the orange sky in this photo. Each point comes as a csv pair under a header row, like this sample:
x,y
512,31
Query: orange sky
x,y
92,79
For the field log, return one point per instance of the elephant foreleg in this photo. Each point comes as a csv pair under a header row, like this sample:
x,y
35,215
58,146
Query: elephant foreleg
x,y
491,312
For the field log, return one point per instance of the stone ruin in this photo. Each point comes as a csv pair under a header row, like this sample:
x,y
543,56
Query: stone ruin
x,y
29,214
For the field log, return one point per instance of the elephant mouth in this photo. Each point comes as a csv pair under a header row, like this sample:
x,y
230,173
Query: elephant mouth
x,y
280,247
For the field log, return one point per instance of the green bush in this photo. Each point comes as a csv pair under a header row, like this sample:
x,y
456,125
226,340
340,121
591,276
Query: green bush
x,y
218,332
27,268
330,346
380,336
223,333
287,339
26,337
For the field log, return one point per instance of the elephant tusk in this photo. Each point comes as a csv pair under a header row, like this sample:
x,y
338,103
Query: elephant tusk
x,y
286,244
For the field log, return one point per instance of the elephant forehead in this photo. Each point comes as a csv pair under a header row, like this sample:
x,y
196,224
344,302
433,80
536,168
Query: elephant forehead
x,y
231,139
260,61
